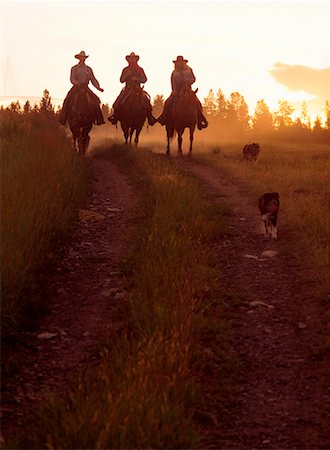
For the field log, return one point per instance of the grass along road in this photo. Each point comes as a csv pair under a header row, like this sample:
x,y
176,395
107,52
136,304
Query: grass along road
x,y
143,393
282,399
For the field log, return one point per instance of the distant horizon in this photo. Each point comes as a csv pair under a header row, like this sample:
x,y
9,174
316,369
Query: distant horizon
x,y
6,100
262,49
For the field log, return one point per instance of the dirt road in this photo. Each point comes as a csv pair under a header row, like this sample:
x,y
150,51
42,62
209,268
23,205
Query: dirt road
x,y
282,401
89,293
282,398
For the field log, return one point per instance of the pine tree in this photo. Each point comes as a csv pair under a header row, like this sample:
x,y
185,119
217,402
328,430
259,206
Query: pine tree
x,y
105,108
27,107
283,115
327,115
15,106
209,104
262,119
304,117
46,103
158,105
221,105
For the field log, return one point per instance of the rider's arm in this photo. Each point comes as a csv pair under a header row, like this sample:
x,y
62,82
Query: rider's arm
x,y
125,75
142,77
191,77
173,81
94,81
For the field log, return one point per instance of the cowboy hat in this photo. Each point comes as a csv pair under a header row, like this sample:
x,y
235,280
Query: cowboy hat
x,y
132,56
180,59
80,55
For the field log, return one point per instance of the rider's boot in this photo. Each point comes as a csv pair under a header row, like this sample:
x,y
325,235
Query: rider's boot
x,y
202,122
99,118
151,120
113,119
162,119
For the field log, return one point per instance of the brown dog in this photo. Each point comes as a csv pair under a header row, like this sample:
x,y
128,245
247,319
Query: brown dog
x,y
251,152
269,205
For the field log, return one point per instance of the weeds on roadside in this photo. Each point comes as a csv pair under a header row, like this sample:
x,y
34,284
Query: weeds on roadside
x,y
42,183
144,395
300,173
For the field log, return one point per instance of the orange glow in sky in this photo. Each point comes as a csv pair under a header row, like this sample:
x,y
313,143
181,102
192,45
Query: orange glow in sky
x,y
232,45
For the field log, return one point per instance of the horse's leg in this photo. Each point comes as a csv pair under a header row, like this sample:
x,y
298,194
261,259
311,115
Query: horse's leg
x,y
137,134
168,151
74,137
87,137
180,133
131,134
192,129
124,127
87,143
84,138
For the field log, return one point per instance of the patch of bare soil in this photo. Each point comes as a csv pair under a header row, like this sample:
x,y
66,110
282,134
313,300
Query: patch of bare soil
x,y
282,400
89,303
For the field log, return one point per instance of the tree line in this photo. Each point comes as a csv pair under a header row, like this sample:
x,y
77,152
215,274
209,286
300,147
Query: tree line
x,y
229,118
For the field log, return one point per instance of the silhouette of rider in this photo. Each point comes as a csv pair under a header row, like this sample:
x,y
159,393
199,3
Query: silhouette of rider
x,y
132,75
81,75
182,77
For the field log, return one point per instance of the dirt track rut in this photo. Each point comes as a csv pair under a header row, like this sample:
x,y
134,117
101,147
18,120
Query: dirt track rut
x,y
89,293
282,399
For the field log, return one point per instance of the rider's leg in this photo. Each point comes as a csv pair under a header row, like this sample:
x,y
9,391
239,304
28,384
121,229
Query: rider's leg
x,y
201,119
99,116
151,119
162,118
114,117
66,106
99,120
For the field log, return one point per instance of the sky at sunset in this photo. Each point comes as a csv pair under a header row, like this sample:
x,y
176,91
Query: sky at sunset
x,y
267,50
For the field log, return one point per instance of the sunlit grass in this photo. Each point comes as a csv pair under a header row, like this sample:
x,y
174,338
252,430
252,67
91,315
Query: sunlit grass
x,y
42,183
301,175
144,394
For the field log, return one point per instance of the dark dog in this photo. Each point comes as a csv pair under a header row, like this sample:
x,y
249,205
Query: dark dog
x,y
251,152
269,205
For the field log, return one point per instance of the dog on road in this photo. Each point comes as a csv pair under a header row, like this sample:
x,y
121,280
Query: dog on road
x,y
269,205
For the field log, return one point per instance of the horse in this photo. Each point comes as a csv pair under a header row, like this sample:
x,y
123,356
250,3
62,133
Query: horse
x,y
183,114
132,113
81,118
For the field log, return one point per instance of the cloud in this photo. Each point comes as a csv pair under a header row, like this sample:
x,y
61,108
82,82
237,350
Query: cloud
x,y
302,78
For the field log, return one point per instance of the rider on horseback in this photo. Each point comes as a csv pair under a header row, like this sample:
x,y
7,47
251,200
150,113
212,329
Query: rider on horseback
x,y
182,77
81,75
133,75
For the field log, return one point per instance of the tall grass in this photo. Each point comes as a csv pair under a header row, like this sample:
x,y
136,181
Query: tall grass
x,y
143,395
42,183
301,175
